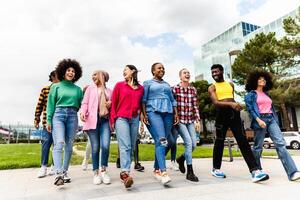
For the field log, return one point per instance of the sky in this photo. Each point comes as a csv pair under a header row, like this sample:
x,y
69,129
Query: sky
x,y
108,34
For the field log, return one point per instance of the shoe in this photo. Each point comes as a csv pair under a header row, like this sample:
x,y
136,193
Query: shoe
x,y
126,179
51,171
118,163
180,160
296,176
42,172
97,178
174,166
105,177
190,174
59,180
165,179
66,177
84,164
218,173
157,174
139,167
258,176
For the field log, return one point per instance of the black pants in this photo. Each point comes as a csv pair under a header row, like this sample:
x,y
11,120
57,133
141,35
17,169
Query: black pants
x,y
230,118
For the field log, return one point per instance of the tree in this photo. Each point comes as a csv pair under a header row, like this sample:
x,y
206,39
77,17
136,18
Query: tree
x,y
206,108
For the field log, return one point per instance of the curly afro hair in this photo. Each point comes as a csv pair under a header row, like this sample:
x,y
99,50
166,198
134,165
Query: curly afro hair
x,y
251,82
64,64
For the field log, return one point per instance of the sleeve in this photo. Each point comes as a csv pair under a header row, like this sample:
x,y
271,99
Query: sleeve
x,y
145,93
250,105
195,105
39,107
114,104
85,102
51,103
171,96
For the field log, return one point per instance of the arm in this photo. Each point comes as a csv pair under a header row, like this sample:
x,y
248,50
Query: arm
x,y
39,108
114,104
249,100
84,105
51,106
196,111
144,116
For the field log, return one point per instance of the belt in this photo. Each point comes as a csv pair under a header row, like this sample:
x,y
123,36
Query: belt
x,y
266,114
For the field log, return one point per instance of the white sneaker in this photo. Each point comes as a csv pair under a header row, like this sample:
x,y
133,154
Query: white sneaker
x,y
84,164
42,172
51,171
66,177
105,177
174,166
296,176
165,179
97,179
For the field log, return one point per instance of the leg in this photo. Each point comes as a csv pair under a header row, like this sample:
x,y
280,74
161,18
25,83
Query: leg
x,y
259,136
184,133
104,142
221,130
94,140
46,145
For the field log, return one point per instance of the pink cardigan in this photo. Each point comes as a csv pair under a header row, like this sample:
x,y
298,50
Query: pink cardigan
x,y
89,106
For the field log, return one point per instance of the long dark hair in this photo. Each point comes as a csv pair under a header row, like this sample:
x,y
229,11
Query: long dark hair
x,y
134,75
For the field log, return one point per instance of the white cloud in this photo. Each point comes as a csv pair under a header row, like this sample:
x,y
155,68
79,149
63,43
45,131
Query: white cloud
x,y
35,35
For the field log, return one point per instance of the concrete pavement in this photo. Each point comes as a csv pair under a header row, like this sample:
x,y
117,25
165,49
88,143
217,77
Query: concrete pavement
x,y
23,184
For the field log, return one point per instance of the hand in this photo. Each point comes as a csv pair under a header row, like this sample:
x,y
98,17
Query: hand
x,y
145,119
82,117
36,125
49,128
261,123
108,104
236,106
176,119
113,127
197,126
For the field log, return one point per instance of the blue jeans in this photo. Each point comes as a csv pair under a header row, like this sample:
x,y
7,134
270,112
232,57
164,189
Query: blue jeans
x,y
172,143
47,141
279,142
100,138
126,130
188,134
64,126
160,129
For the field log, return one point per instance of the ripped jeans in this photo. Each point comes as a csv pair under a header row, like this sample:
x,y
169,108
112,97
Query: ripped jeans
x,y
160,128
64,126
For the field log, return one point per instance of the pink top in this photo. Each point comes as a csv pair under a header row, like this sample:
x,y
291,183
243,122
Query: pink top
x,y
89,106
264,103
126,101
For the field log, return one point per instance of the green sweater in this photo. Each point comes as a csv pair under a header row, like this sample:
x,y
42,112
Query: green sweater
x,y
63,94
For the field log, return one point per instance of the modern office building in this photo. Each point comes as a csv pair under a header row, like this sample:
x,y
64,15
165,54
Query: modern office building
x,y
223,48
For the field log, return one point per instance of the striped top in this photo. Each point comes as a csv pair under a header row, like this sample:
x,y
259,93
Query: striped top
x,y
41,107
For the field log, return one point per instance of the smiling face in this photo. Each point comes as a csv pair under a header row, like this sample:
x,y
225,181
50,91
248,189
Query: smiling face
x,y
261,81
217,74
70,74
185,75
127,73
158,71
98,78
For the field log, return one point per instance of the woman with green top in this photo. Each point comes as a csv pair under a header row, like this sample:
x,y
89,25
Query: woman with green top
x,y
63,103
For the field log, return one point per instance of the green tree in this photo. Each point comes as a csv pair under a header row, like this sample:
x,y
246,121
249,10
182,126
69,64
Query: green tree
x,y
206,108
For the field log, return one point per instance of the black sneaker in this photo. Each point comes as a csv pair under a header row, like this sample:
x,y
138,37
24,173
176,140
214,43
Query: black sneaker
x,y
118,163
139,167
59,180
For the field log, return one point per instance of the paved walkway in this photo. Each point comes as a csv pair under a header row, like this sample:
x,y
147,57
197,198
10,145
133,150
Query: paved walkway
x,y
23,184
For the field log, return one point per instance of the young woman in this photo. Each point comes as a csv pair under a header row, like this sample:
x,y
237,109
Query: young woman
x,y
264,118
159,114
124,118
95,115
63,103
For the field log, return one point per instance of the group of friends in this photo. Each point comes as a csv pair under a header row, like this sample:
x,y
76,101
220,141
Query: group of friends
x,y
166,112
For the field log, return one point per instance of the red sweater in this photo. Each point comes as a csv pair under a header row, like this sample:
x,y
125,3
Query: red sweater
x,y
125,101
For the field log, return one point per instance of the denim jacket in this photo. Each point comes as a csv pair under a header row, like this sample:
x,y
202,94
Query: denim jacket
x,y
252,108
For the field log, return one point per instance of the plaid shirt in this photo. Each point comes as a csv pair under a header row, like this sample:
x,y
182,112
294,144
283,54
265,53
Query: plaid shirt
x,y
186,103
41,106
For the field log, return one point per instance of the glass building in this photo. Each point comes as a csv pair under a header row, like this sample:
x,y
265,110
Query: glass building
x,y
224,48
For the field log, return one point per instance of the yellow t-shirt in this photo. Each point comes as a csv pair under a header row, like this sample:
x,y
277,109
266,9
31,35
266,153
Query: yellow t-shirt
x,y
224,90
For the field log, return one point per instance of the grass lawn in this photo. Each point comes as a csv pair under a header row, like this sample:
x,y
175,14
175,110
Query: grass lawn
x,y
13,156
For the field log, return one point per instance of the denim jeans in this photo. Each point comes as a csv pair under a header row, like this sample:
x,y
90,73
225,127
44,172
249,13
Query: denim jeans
x,y
47,141
160,129
279,142
172,142
100,138
126,130
188,134
64,126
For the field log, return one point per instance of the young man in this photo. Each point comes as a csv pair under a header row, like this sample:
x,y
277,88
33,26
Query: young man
x,y
228,116
189,120
46,136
